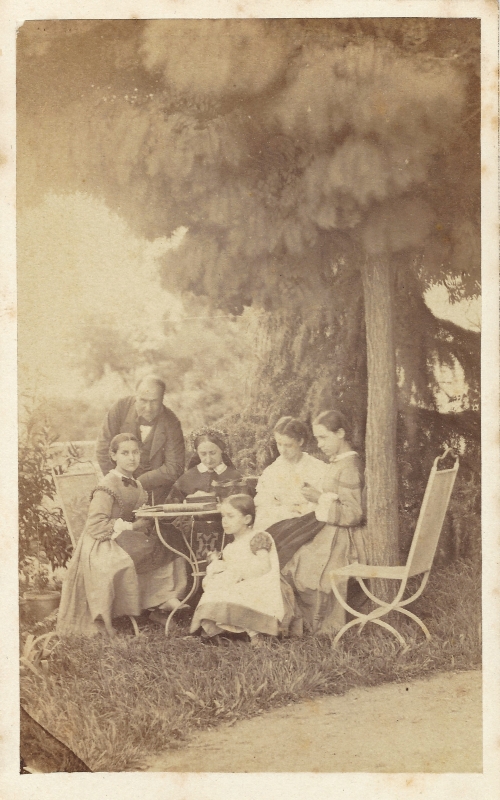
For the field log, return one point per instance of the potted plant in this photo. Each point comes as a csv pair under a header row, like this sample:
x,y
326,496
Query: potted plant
x,y
39,586
44,544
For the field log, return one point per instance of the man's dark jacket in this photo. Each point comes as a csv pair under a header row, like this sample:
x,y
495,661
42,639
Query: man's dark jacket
x,y
166,446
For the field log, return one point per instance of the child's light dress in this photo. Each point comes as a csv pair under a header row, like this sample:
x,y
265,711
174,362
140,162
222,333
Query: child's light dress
x,y
232,599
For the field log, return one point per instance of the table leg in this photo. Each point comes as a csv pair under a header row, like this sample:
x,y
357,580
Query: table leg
x,y
192,561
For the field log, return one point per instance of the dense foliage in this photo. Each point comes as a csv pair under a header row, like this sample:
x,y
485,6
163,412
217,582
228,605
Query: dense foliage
x,y
304,128
204,360
311,138
42,530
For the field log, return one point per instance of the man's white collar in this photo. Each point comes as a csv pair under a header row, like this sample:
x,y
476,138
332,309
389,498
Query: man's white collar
x,y
219,470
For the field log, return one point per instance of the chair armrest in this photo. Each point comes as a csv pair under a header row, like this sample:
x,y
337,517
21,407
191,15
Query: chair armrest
x,y
370,571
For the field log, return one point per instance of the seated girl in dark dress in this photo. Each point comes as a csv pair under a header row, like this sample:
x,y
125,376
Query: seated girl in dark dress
x,y
209,469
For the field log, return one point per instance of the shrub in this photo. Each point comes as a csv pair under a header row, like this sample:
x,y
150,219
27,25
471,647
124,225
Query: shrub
x,y
42,530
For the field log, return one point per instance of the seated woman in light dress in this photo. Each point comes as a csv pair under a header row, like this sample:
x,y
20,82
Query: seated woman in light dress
x,y
119,566
279,493
340,515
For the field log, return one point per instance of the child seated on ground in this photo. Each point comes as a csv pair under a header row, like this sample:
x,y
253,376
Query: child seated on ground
x,y
241,590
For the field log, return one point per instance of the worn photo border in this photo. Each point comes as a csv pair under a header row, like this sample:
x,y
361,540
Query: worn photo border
x,y
272,785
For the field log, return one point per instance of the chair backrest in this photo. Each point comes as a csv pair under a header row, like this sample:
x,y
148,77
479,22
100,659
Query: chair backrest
x,y
74,490
431,517
71,456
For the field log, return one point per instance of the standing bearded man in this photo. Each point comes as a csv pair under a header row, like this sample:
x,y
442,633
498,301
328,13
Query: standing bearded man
x,y
157,429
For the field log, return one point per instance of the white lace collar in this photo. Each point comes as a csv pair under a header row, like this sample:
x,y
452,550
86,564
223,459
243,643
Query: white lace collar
x,y
219,470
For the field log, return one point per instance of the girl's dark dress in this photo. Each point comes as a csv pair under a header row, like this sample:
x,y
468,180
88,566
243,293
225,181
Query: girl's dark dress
x,y
207,532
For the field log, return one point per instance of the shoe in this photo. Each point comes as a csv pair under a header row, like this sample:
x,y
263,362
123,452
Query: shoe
x,y
231,636
206,639
159,617
173,604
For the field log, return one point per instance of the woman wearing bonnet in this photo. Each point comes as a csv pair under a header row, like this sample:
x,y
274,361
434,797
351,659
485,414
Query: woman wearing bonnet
x,y
209,466
209,469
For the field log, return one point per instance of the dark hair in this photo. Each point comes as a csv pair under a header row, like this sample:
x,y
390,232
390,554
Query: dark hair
x,y
154,380
242,503
209,437
119,438
195,460
333,420
294,428
215,436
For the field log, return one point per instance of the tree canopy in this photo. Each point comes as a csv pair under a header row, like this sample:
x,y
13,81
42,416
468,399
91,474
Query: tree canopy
x,y
326,170
279,144
317,125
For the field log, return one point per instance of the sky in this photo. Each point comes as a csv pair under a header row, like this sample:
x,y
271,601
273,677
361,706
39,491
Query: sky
x,y
73,256
76,257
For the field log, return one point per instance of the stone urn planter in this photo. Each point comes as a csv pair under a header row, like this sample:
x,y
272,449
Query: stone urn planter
x,y
39,588
38,605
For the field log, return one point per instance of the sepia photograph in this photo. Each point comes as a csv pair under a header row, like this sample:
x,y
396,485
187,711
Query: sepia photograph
x,y
249,329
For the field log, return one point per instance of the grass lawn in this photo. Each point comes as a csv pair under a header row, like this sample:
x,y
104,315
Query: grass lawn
x,y
116,702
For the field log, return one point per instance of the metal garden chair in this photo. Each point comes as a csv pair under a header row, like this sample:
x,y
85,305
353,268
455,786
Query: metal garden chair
x,y
419,562
73,491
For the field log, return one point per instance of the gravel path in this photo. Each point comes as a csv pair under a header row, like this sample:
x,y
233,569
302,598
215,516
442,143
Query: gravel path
x,y
431,725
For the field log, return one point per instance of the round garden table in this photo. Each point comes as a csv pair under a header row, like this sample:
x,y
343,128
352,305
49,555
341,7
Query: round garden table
x,y
191,515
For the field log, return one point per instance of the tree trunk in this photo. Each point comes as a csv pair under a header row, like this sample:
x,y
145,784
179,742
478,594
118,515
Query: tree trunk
x,y
381,470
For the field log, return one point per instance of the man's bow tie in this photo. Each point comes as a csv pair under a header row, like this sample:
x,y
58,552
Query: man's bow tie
x,y
129,481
